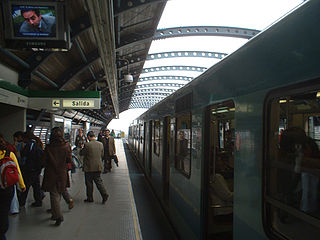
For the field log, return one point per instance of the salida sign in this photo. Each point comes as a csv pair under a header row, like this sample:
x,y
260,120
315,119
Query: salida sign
x,y
78,103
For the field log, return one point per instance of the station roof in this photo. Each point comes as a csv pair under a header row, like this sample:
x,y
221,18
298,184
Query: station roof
x,y
113,38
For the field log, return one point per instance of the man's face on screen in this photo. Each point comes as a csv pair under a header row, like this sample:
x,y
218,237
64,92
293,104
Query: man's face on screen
x,y
32,18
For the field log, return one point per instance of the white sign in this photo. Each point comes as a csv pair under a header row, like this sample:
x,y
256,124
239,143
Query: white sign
x,y
55,103
74,103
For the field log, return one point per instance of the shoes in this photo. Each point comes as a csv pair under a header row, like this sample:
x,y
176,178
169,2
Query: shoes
x,y
117,164
104,199
70,205
58,221
88,200
36,204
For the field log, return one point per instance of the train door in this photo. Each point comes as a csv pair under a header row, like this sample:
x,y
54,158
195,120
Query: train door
x,y
149,162
219,171
166,159
144,144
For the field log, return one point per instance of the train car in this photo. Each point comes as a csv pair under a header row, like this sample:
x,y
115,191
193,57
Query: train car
x,y
235,153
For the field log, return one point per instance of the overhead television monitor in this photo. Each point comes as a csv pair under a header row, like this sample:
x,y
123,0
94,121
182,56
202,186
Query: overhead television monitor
x,y
35,24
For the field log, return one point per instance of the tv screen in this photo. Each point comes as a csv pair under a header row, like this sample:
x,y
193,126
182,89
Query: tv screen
x,y
30,21
36,24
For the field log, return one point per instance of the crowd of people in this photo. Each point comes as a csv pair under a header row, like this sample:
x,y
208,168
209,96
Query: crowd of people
x,y
55,160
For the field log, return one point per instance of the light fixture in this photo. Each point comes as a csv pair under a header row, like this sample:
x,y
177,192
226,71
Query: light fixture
x,y
128,78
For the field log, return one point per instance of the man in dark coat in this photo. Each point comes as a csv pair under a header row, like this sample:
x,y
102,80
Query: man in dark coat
x,y
92,166
109,150
32,153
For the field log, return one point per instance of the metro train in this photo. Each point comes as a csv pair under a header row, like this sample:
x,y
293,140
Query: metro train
x,y
227,154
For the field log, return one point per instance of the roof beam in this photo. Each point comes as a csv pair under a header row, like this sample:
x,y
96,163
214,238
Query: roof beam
x,y
123,6
77,27
69,75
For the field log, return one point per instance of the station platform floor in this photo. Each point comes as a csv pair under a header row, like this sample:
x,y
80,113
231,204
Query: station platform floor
x,y
131,212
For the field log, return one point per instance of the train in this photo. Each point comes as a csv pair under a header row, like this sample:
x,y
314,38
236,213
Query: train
x,y
226,154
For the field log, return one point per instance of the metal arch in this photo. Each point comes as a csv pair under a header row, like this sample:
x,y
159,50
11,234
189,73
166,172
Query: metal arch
x,y
154,90
175,54
151,94
145,102
152,85
205,31
193,31
166,77
142,105
174,68
146,97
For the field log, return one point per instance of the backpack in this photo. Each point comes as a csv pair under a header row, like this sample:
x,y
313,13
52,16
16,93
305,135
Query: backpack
x,y
8,171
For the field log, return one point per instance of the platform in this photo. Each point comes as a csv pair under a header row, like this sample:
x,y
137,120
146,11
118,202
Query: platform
x,y
117,219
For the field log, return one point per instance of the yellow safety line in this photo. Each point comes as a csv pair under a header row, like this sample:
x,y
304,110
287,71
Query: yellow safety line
x,y
133,205
134,213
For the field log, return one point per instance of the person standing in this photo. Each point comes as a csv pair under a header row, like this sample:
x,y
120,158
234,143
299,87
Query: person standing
x,y
32,153
6,194
109,150
56,157
92,167
18,144
80,140
113,134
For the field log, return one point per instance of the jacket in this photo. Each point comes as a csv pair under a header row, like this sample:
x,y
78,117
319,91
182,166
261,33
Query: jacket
x,y
13,156
55,159
32,152
93,153
112,147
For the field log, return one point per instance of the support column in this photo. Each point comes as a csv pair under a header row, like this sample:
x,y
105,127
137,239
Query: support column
x,y
12,119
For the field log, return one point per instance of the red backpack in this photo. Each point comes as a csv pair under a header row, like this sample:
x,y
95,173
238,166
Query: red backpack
x,y
8,171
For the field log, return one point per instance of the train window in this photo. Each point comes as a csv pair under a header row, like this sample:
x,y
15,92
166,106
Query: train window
x,y
156,138
183,144
221,169
292,202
